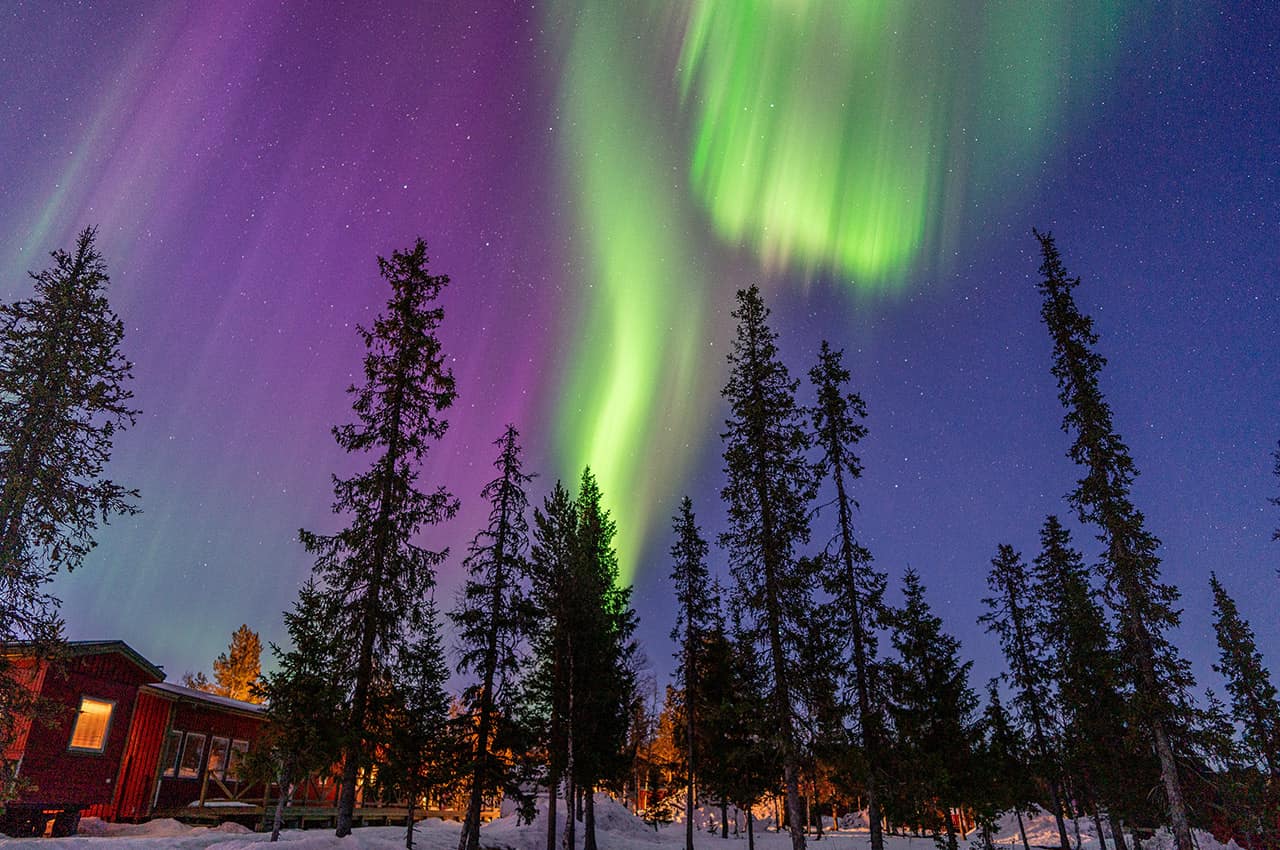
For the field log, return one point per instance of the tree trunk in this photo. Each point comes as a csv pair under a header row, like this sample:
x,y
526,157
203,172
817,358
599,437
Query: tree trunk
x,y
470,839
1117,832
553,791
1055,797
570,815
1172,788
1022,830
278,820
408,830
870,742
588,818
688,795
952,843
751,829
724,818
1097,824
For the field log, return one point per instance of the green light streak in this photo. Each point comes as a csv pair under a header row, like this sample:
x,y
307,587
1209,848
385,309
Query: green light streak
x,y
633,378
832,135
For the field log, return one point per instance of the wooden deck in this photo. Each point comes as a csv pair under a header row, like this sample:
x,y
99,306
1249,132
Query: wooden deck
x,y
259,817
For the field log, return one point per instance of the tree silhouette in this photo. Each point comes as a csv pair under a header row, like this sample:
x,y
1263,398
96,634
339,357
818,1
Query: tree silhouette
x,y
1145,606
857,587
377,575
64,397
769,488
492,620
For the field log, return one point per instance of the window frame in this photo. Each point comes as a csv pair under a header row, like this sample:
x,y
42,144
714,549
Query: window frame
x,y
235,762
170,770
106,729
186,740
220,771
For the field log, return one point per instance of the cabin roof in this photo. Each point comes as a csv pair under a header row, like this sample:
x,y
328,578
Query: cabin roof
x,y
169,690
79,648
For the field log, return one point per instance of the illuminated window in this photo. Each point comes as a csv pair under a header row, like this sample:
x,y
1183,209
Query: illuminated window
x,y
217,756
234,762
92,722
192,749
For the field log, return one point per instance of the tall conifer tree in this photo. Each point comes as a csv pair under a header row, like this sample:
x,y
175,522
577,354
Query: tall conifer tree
x,y
548,687
1082,670
492,622
769,489
64,397
1013,614
305,697
1254,704
1145,607
602,680
858,588
691,634
378,576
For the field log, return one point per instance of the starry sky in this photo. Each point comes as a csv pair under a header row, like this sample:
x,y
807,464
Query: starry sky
x,y
598,178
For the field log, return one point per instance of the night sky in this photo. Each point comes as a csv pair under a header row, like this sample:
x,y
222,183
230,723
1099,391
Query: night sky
x,y
598,178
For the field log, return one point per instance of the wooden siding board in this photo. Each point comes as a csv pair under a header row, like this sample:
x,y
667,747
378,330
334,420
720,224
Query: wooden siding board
x,y
85,779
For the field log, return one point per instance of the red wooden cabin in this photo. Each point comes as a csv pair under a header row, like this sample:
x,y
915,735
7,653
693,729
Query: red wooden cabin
x,y
126,744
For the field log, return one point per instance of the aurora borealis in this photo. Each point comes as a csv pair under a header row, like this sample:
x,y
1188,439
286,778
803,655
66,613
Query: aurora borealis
x,y
597,179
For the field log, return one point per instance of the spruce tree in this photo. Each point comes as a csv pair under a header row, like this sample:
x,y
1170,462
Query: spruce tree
x,y
857,587
746,767
64,397
931,705
1005,782
693,620
305,698
1145,607
491,620
377,576
547,688
1254,704
236,670
602,678
1082,673
769,488
421,753
1013,613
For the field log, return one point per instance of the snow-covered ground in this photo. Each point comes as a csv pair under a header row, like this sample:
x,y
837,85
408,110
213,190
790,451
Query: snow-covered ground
x,y
616,829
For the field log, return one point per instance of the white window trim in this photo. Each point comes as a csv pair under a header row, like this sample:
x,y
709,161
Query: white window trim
x,y
106,732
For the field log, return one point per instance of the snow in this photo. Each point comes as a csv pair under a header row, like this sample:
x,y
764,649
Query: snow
x,y
617,829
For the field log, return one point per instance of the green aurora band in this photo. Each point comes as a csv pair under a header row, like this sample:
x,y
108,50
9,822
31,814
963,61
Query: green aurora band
x,y
814,137
834,136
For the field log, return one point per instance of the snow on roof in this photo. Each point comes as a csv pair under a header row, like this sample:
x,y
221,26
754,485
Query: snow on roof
x,y
201,696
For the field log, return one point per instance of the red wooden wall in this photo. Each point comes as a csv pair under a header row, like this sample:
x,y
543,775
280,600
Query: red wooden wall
x,y
84,779
141,759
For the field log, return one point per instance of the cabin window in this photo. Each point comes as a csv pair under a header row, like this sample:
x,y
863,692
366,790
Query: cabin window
x,y
92,723
192,750
172,747
217,756
235,759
